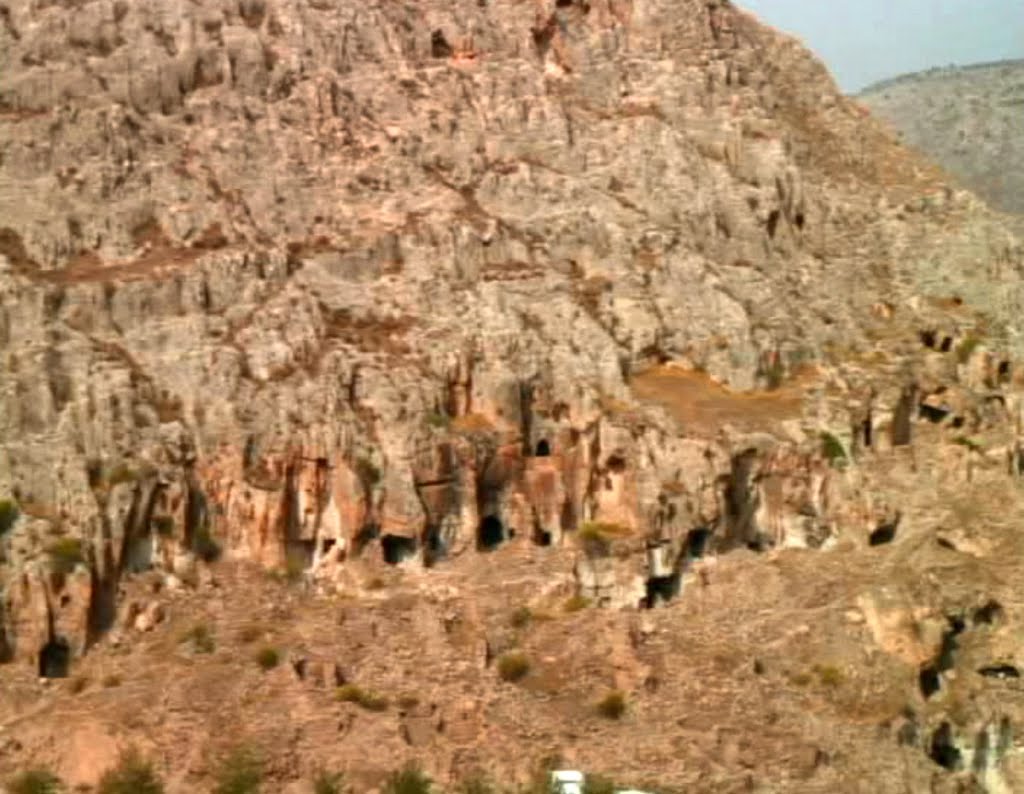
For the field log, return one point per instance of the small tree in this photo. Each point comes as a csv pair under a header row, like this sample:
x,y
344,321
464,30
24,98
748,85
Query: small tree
x,y
513,666
132,775
328,783
612,706
268,658
35,781
8,515
410,779
240,773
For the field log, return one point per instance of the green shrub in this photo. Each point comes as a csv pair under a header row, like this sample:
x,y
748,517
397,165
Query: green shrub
x,y
201,638
35,781
576,603
513,666
971,443
833,450
829,675
476,784
268,658
132,775
521,617
410,779
121,473
8,515
204,545
163,526
612,706
598,784
966,347
294,567
371,701
240,773
328,782
438,420
596,537
65,555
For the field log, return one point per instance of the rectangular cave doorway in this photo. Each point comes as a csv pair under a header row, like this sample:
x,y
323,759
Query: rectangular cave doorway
x,y
398,549
490,534
55,659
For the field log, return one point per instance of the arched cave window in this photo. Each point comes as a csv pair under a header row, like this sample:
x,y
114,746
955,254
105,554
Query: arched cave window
x,y
543,448
490,534
397,549
55,659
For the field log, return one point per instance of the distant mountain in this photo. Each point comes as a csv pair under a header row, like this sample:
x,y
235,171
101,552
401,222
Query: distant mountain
x,y
968,119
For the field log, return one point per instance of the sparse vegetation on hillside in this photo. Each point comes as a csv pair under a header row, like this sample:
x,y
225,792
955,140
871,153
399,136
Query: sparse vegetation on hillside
x,y
268,658
328,782
513,666
612,706
240,773
371,701
200,638
8,515
65,555
410,779
132,775
35,781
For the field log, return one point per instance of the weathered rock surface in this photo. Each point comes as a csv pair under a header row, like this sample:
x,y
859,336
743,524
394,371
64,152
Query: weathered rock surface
x,y
530,300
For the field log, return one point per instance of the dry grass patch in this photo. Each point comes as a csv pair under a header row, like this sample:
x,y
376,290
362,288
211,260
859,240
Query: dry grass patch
x,y
702,405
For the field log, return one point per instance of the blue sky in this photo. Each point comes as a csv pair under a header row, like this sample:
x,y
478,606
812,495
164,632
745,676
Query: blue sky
x,y
863,41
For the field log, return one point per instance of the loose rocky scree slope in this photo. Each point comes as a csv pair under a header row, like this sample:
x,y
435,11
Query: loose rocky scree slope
x,y
607,333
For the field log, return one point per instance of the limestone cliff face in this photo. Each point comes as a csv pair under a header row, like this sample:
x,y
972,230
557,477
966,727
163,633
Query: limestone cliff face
x,y
312,281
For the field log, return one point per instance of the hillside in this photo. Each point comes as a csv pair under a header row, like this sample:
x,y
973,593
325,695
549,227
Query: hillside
x,y
965,118
398,382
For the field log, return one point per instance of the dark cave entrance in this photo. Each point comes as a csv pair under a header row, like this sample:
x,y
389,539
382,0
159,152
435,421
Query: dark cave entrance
x,y
943,752
434,546
661,589
697,541
55,659
397,549
543,449
490,534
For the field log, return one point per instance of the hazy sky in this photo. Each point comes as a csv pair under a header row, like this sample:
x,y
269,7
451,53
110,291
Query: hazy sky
x,y
862,41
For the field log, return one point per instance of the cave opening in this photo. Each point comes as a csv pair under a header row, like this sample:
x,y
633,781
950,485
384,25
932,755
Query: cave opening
x,y
697,541
434,546
616,463
988,613
55,659
543,449
662,589
868,430
933,413
947,344
541,536
928,338
439,46
943,751
928,681
999,671
397,549
490,534
1004,370
884,533
958,422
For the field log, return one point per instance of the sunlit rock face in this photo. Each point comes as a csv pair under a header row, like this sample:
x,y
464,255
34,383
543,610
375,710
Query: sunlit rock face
x,y
357,290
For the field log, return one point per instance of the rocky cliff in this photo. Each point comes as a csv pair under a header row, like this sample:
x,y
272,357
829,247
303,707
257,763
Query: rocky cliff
x,y
444,306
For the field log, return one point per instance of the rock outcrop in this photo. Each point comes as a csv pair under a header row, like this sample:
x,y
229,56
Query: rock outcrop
x,y
331,285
